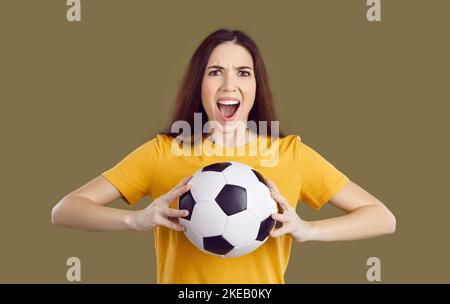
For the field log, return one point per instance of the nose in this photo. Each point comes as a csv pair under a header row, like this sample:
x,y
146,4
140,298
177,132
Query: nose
x,y
228,83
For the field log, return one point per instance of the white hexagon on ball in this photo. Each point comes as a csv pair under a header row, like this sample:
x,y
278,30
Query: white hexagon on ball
x,y
241,228
259,201
208,219
206,185
240,175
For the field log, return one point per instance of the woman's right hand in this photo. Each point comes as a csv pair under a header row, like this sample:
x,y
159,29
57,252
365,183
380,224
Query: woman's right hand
x,y
158,212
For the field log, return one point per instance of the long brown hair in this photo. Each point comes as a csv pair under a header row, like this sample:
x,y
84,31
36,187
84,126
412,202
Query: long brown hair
x,y
188,98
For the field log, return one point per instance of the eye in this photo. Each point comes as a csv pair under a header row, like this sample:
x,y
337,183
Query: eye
x,y
213,72
248,73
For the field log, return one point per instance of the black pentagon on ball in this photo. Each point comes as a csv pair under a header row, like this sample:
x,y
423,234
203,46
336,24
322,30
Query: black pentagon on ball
x,y
187,202
217,244
232,199
217,167
260,178
265,228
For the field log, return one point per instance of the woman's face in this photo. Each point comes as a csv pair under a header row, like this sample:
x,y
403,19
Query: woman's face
x,y
229,86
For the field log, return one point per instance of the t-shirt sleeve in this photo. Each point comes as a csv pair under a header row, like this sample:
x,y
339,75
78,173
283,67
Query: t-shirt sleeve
x,y
320,180
132,176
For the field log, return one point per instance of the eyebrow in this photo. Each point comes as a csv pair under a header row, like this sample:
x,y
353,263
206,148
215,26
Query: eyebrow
x,y
222,68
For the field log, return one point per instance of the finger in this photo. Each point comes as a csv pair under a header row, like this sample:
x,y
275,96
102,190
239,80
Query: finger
x,y
172,224
279,232
174,194
272,185
274,190
182,182
281,200
278,224
180,185
279,217
176,212
186,180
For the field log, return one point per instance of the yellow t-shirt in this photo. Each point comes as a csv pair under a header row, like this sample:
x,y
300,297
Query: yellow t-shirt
x,y
300,173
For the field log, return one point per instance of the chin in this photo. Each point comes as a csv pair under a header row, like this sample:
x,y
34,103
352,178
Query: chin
x,y
231,127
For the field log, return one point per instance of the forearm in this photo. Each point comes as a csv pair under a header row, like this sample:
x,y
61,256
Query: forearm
x,y
81,213
365,222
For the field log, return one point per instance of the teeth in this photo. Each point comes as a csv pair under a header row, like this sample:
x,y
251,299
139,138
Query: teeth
x,y
228,102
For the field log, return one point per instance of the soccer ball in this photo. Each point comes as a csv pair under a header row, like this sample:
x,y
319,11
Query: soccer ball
x,y
230,209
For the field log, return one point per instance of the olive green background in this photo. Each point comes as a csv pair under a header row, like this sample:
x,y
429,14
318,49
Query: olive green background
x,y
371,97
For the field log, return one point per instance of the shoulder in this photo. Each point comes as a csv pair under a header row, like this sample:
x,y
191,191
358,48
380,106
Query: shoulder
x,y
157,143
162,138
290,141
291,138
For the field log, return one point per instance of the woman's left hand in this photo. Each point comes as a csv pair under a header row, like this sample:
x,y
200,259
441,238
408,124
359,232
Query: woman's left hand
x,y
292,224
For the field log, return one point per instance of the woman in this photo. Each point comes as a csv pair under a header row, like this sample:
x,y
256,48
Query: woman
x,y
225,87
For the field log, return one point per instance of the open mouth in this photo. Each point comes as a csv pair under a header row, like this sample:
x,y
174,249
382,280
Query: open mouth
x,y
228,108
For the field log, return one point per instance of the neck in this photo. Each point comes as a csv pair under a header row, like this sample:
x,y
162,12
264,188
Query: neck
x,y
231,139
